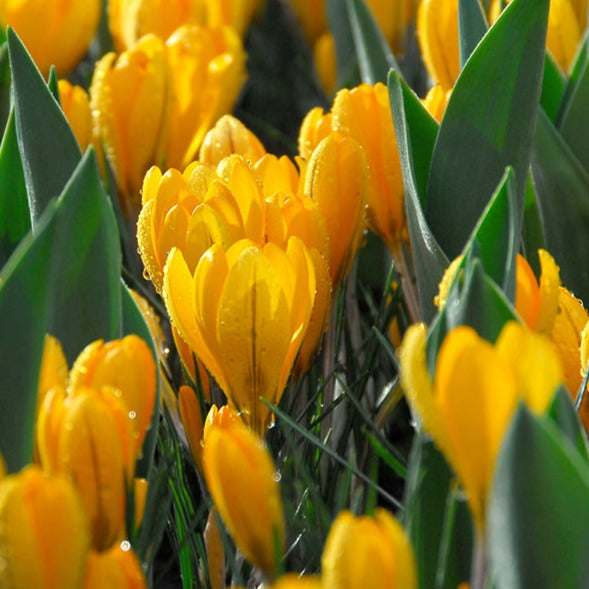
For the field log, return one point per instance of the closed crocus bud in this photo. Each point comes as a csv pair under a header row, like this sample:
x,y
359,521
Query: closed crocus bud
x,y
61,37
244,312
129,20
44,540
127,369
565,31
208,72
192,421
521,366
312,17
140,495
244,486
336,180
393,19
315,126
436,101
215,552
229,136
75,104
437,31
365,114
118,568
54,370
236,14
367,551
324,57
130,100
87,436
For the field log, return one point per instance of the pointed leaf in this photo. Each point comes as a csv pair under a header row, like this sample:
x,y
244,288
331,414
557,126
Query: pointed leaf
x,y
562,190
375,57
488,124
416,131
348,74
553,88
48,148
472,26
538,512
14,208
532,230
5,86
62,279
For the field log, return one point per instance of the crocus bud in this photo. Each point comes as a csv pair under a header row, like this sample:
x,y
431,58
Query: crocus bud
x,y
126,368
244,486
365,114
236,14
244,312
436,101
60,37
229,136
367,552
130,100
315,126
75,104
140,495
325,62
118,568
45,539
129,20
215,552
87,436
192,421
437,31
337,180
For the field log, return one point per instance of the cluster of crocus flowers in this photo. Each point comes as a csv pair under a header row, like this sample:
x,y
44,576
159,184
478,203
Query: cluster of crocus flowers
x,y
393,19
62,41
146,106
469,401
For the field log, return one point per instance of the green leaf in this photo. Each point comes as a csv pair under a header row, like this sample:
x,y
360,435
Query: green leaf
x,y
62,279
134,323
553,88
532,231
53,83
562,190
48,148
472,26
348,74
488,124
563,415
5,86
375,57
416,132
14,208
538,509
438,525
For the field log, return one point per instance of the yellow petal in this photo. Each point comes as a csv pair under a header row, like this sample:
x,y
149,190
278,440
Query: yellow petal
x,y
324,56
549,285
564,33
315,126
527,292
215,552
293,581
436,101
118,567
75,104
192,421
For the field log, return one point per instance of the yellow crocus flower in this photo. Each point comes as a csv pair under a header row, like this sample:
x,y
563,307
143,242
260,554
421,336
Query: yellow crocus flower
x,y
192,421
44,538
293,581
236,14
475,390
365,114
126,368
315,126
75,104
61,37
244,312
244,485
367,551
436,101
118,568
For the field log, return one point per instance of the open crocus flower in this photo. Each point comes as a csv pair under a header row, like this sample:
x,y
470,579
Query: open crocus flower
x,y
244,312
244,486
474,393
44,540
367,551
61,37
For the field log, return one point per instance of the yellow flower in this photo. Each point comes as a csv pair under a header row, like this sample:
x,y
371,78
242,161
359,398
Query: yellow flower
x,y
129,20
315,126
87,436
475,391
336,179
215,552
227,137
293,581
437,31
365,114
367,552
126,368
244,486
236,14
436,101
75,104
325,62
140,488
130,100
44,536
244,312
192,421
55,33
118,568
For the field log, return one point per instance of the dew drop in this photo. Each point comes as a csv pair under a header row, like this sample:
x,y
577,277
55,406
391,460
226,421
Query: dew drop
x,y
145,274
125,545
132,415
277,477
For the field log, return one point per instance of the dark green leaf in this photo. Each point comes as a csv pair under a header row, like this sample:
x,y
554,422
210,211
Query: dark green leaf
x,y
538,509
62,279
532,231
416,133
488,124
375,57
439,526
472,26
48,148
348,74
53,83
5,85
14,208
562,191
553,89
